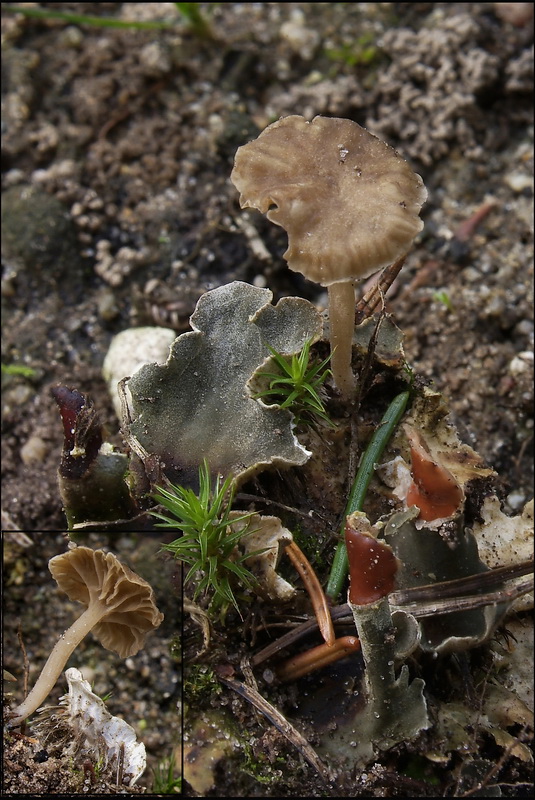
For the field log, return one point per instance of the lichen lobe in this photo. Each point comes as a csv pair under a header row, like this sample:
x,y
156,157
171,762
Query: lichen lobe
x,y
197,406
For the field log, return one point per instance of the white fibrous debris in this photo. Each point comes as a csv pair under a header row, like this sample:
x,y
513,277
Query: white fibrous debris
x,y
396,474
503,540
269,537
105,736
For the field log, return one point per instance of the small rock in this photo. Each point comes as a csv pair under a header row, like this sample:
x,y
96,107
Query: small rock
x,y
129,350
521,363
518,181
34,450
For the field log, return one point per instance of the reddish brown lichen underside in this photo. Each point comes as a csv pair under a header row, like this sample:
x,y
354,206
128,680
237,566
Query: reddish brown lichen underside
x,y
434,490
372,565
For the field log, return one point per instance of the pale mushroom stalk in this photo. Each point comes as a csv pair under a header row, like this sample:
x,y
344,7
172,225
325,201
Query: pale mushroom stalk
x,y
57,659
341,320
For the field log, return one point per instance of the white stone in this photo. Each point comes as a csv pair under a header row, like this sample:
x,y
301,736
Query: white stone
x,y
129,351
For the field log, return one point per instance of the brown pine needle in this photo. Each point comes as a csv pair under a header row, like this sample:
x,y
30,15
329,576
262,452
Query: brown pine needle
x,y
316,658
315,591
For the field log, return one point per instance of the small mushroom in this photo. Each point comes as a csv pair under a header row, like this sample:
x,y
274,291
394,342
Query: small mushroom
x,y
120,610
348,201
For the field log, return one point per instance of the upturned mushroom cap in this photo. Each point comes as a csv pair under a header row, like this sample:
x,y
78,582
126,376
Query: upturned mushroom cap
x,y
348,201
87,575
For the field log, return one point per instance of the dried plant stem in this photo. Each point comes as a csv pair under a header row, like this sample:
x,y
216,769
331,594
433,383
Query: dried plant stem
x,y
466,585
470,602
280,722
480,785
374,297
443,597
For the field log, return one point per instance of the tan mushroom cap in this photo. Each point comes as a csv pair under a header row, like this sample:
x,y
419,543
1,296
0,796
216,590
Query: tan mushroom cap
x,y
348,201
87,575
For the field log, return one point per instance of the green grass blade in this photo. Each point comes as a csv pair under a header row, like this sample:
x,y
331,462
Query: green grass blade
x,y
372,455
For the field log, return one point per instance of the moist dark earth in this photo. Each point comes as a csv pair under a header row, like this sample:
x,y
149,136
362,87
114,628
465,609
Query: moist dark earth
x,y
118,211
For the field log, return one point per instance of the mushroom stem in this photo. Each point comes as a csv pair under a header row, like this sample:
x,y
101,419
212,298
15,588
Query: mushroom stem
x,y
57,659
342,324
